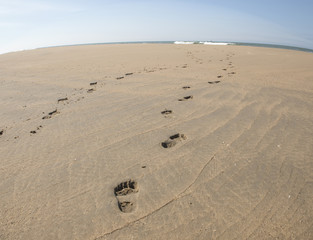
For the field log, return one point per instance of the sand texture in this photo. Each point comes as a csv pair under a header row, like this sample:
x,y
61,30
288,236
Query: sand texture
x,y
152,141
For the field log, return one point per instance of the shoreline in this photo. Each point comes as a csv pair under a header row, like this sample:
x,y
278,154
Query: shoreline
x,y
265,45
214,43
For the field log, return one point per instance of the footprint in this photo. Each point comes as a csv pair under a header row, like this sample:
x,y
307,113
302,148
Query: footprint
x,y
50,114
186,87
118,78
90,90
185,98
128,74
62,99
35,131
93,83
214,82
173,140
219,76
167,112
123,190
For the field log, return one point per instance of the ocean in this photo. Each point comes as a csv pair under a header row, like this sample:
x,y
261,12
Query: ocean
x,y
204,43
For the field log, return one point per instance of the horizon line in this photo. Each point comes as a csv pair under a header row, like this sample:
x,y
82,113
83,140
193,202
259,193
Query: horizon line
x,y
251,44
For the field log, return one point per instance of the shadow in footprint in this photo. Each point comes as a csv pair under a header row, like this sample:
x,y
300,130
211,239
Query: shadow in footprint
x,y
50,114
118,78
173,140
185,98
126,206
128,74
35,131
167,112
214,82
186,87
126,188
62,99
93,83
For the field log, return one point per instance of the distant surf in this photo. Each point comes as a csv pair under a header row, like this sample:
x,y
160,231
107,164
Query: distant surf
x,y
205,43
201,43
245,44
183,42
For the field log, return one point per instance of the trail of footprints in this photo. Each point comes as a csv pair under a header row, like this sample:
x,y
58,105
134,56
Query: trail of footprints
x,y
80,92
124,189
93,85
64,100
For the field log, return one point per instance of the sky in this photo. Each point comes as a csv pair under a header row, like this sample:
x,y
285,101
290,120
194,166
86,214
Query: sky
x,y
29,24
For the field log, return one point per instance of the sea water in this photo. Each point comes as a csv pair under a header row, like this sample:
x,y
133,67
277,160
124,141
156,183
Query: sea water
x,y
204,43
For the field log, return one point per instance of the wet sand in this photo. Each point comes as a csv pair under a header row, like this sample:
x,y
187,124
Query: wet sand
x,y
156,141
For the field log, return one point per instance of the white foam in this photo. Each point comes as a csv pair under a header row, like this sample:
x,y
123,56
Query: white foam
x,y
181,42
215,43
205,43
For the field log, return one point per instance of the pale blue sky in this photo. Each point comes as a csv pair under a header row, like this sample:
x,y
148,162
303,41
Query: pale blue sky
x,y
27,24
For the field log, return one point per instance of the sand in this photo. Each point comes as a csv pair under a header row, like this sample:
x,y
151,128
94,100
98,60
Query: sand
x,y
148,141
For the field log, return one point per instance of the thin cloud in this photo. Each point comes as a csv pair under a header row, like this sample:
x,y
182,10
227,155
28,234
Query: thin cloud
x,y
19,7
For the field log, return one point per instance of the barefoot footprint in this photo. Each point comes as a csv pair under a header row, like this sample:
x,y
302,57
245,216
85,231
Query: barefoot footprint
x,y
50,114
185,98
166,112
186,87
90,90
214,82
173,140
122,190
62,99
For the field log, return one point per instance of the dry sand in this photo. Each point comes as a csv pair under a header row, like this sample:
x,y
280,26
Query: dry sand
x,y
241,168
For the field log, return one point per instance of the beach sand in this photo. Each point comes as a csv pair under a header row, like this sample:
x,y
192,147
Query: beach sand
x,y
156,141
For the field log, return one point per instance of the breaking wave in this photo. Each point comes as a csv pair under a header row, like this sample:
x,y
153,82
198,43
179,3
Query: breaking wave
x,y
205,43
181,42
